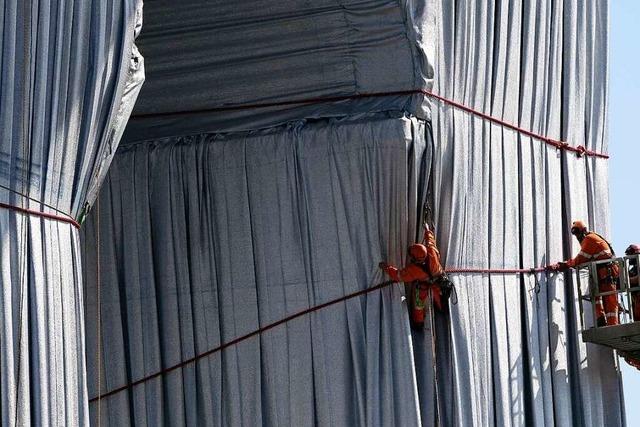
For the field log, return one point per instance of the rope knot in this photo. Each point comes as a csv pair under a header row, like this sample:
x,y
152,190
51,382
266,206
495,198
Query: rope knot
x,y
560,145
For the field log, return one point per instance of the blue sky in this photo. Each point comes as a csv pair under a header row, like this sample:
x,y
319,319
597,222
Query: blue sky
x,y
624,109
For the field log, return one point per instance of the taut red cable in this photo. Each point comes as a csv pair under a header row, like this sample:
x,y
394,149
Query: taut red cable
x,y
239,339
291,317
579,150
499,270
32,212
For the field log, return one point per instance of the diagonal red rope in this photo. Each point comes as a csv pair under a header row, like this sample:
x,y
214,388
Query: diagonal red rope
x,y
241,338
579,150
41,214
288,319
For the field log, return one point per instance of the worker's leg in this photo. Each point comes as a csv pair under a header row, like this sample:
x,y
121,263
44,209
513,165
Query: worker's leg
x,y
420,296
610,304
601,319
636,306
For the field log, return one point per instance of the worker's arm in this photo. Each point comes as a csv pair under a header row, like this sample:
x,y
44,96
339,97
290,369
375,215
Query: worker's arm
x,y
566,265
586,249
579,259
408,274
428,235
433,254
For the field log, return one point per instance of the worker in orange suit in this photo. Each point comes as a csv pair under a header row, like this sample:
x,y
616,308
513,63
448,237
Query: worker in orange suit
x,y
594,247
631,251
633,279
425,272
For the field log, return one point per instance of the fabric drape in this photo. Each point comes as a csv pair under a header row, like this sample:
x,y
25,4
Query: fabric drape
x,y
69,76
209,237
215,222
505,201
216,54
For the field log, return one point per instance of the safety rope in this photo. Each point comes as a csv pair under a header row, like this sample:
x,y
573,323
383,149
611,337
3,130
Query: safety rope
x,y
292,317
579,150
533,271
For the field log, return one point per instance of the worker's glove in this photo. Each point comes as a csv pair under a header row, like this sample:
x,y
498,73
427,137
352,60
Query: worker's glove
x,y
383,265
558,267
553,267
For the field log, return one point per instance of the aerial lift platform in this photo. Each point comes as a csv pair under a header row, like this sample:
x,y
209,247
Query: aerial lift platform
x,y
625,337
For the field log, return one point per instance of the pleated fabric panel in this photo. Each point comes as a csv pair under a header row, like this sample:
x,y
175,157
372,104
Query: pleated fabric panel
x,y
205,238
204,56
217,222
69,75
506,201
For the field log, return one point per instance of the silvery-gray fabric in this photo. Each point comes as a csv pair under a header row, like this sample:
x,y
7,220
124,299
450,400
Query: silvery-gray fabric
x,y
505,201
69,75
216,53
585,122
206,238
193,223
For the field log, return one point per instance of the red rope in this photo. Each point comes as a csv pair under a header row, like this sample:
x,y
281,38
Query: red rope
x,y
289,318
499,270
239,339
65,219
579,150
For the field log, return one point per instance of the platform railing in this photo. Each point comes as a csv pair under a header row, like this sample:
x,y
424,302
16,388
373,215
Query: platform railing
x,y
589,289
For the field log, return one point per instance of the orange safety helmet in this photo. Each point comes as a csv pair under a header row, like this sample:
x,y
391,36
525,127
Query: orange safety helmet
x,y
418,252
578,226
632,250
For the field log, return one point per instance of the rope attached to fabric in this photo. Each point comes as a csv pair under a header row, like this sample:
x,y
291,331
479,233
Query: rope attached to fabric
x,y
579,150
532,271
499,270
292,317
41,214
242,338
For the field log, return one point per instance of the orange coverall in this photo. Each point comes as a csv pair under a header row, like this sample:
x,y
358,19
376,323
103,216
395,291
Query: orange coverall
x,y
423,274
634,282
595,248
